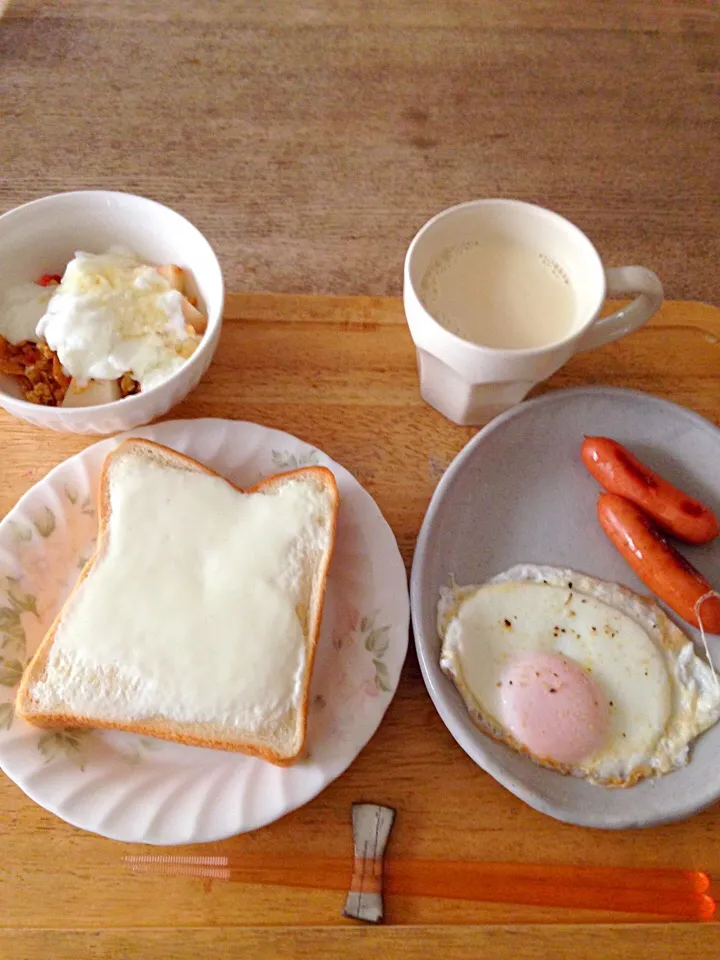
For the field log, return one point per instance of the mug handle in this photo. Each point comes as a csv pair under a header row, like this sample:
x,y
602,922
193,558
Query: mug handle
x,y
620,282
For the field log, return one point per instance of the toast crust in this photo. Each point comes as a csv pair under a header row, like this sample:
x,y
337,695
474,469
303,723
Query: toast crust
x,y
165,729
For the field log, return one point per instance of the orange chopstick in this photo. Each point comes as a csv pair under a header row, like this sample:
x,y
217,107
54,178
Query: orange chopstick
x,y
680,894
455,875
626,891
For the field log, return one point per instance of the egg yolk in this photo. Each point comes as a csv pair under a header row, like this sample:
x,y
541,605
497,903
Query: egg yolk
x,y
553,707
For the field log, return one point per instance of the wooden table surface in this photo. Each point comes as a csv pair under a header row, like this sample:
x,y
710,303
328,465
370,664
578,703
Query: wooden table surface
x,y
309,139
340,373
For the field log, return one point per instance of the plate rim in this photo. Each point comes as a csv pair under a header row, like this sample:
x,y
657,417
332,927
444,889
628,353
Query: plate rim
x,y
30,792
470,743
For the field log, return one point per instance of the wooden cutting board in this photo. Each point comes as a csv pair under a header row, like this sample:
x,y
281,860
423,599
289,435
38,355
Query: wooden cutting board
x,y
340,373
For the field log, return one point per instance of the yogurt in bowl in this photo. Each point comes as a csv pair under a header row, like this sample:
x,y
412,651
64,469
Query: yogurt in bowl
x,y
132,326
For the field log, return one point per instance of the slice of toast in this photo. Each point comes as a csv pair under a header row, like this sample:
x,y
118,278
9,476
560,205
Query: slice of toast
x,y
197,618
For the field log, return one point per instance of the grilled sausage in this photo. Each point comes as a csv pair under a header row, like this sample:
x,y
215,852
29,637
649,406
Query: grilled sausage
x,y
672,510
659,565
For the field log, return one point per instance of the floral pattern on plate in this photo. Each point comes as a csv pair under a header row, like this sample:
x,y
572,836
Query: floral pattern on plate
x,y
46,559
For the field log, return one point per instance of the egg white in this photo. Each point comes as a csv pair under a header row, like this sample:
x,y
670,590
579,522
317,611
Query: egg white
x,y
661,694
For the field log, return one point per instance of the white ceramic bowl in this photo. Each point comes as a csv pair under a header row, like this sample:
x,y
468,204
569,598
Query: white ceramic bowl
x,y
42,236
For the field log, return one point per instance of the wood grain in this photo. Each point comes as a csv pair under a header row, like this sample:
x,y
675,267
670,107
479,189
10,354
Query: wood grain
x,y
340,372
310,139
413,943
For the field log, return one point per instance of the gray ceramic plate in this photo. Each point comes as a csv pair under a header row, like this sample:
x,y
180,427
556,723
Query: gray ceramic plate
x,y
518,492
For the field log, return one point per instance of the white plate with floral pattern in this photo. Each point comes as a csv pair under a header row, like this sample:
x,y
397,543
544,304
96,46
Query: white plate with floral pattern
x,y
139,789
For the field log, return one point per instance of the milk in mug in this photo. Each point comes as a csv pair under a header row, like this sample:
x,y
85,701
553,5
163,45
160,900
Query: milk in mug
x,y
496,291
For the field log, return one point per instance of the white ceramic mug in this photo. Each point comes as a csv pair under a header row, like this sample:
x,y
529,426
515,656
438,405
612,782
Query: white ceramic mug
x,y
470,384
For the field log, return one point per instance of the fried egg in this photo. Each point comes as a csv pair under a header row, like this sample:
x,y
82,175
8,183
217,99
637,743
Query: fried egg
x,y
584,676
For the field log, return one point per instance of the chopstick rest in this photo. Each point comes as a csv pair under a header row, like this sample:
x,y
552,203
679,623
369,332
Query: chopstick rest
x,y
371,829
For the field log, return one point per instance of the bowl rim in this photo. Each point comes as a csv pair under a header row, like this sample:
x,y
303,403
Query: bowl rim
x,y
132,402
